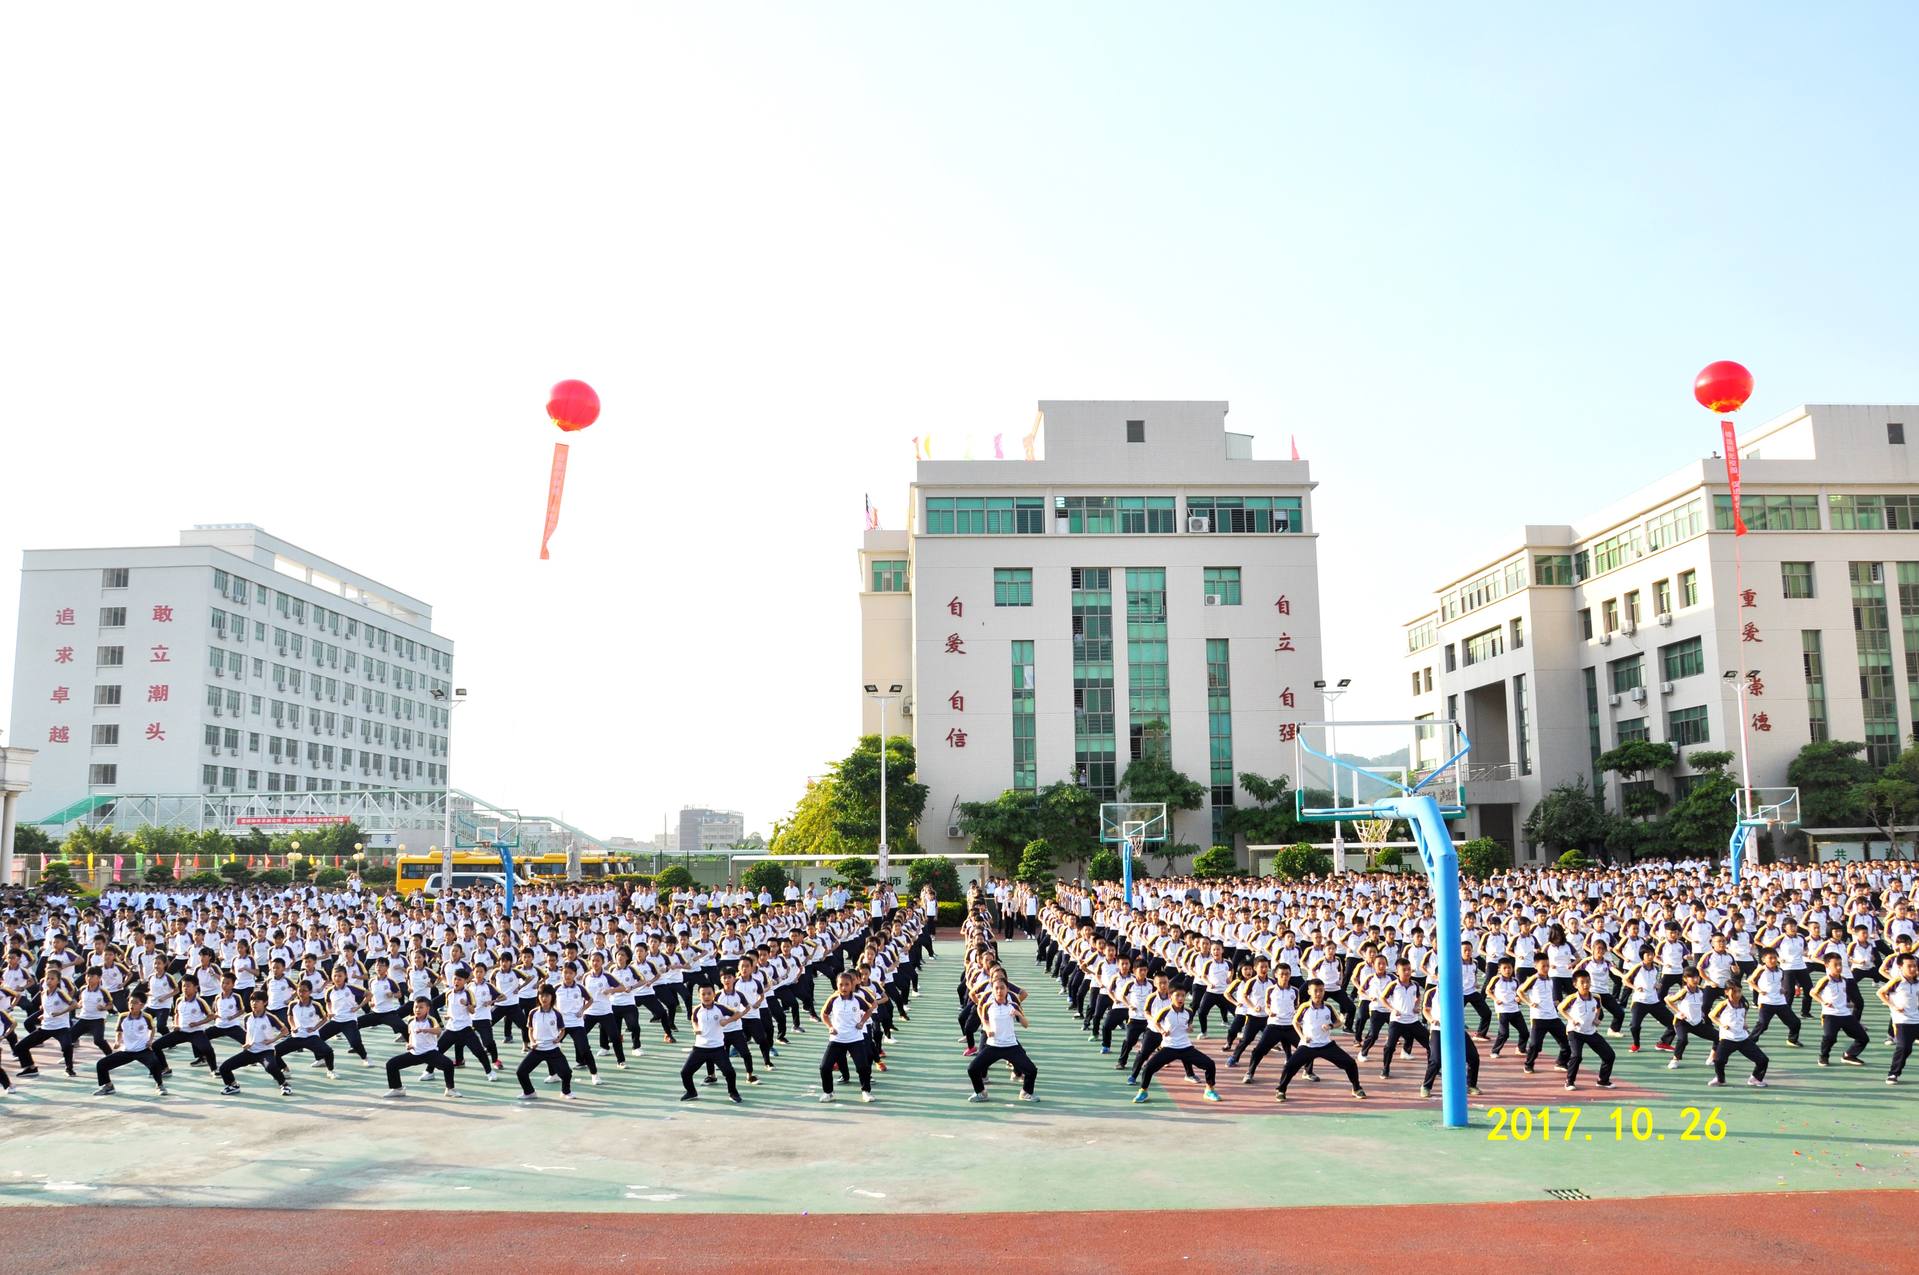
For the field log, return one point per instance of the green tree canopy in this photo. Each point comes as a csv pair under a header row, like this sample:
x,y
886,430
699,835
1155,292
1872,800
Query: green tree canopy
x,y
1220,861
856,791
1270,821
765,876
1565,818
1701,822
1299,861
1064,815
1633,761
674,876
1152,778
1036,864
1482,857
31,838
938,873
1891,799
1828,773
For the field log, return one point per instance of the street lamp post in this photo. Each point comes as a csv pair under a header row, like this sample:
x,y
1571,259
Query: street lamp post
x,y
1740,678
1331,695
874,692
457,698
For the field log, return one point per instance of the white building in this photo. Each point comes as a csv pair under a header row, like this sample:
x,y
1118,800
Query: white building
x,y
1623,625
1146,583
704,830
232,662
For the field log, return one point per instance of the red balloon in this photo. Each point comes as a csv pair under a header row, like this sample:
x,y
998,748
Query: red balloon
x,y
1723,387
573,405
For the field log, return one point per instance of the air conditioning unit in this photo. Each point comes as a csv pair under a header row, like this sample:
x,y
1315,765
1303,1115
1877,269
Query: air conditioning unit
x,y
1214,599
233,752
213,750
1665,688
1629,628
1639,695
1199,523
906,706
953,831
219,672
1664,618
216,710
1613,700
1605,639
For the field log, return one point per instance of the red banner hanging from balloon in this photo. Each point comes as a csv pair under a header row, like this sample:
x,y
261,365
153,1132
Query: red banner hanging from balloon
x,y
1731,443
555,485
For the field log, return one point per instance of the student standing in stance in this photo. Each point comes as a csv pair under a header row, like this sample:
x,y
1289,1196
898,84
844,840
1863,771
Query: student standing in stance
x,y
1838,1012
1901,999
846,1016
1729,1017
1001,1017
1314,1023
710,1022
1174,1023
422,1050
1581,1012
542,1031
132,1042
259,1033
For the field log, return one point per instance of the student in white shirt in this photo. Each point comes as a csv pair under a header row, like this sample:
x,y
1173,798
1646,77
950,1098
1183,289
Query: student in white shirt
x,y
260,1034
1173,1022
543,1032
422,1050
1838,1012
1901,999
1581,1013
132,1042
846,1016
1001,1018
1314,1023
710,1021
1729,1018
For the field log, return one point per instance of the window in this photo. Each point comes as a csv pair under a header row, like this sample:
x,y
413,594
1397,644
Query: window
x,y
1632,729
106,696
1247,513
1592,728
103,774
1675,525
1769,513
1518,638
1219,734
1688,588
1632,608
1873,639
1609,614
1012,586
1682,659
1452,661
1627,674
1415,681
1795,579
1662,597
1687,726
1421,636
973,516
113,617
1875,513
1429,679
110,656
1146,515
1586,623
1615,551
1149,705
1483,590
888,577
1223,583
1553,568
1086,515
1814,659
1135,431
1481,647
1524,729
1895,433
105,736
1025,728
113,578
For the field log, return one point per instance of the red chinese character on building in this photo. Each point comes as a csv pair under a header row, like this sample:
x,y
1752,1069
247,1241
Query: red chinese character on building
x,y
63,655
156,694
955,645
1754,684
154,731
958,701
1284,605
163,615
956,607
1750,633
160,656
1748,597
1761,722
61,695
1287,732
1287,699
1285,642
63,616
56,734
956,737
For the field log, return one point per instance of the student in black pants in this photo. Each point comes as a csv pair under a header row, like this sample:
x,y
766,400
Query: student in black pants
x,y
423,1050
543,1032
1435,1057
1537,993
260,1034
710,1022
1314,1023
57,1004
1002,1017
132,1042
1838,1012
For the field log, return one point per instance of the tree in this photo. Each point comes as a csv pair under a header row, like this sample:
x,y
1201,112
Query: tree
x,y
1036,866
856,791
1302,860
236,871
1482,857
810,830
853,873
158,872
1565,817
1891,800
938,873
763,875
1152,778
1573,860
1064,815
1828,773
1106,865
1634,761
1270,821
1220,861
674,876
1701,822
31,838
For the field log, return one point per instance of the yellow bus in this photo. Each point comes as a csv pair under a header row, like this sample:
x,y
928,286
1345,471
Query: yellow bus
x,y
412,872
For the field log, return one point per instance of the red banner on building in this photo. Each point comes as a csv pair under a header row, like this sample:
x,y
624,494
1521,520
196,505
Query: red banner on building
x,y
247,821
1731,443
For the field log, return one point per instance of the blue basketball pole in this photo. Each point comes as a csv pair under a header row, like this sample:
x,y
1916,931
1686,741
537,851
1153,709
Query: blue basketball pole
x,y
1126,867
506,868
1422,813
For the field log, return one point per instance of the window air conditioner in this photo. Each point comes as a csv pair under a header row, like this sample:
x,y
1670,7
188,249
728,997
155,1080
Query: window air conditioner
x,y
1665,688
220,672
906,706
1199,523
1613,700
1664,618
1629,628
216,710
1639,695
1605,639
1213,599
953,830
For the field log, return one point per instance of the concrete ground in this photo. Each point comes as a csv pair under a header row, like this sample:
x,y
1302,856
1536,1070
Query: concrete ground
x,y
629,1147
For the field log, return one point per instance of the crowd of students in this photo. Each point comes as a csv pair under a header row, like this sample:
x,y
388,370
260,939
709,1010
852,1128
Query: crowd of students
x,y
575,978
1554,956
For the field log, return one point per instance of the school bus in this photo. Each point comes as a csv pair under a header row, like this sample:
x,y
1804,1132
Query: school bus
x,y
412,872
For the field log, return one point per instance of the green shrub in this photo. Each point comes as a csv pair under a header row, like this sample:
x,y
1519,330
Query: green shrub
x,y
236,871
377,875
274,877
205,881
673,877
1106,865
940,874
770,877
159,872
1220,861
1482,856
952,913
330,877
1391,857
1574,859
1296,862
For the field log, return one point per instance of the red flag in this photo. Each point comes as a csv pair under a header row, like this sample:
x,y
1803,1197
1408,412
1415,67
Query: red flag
x,y
555,485
1731,443
1294,440
118,861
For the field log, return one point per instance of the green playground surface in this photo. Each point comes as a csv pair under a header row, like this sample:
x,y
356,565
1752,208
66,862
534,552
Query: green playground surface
x,y
629,1146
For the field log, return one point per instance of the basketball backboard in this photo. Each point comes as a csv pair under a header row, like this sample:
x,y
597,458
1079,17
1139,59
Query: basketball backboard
x,y
1340,769
1143,822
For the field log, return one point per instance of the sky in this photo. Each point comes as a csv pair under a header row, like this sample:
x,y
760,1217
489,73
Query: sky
x,y
316,270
